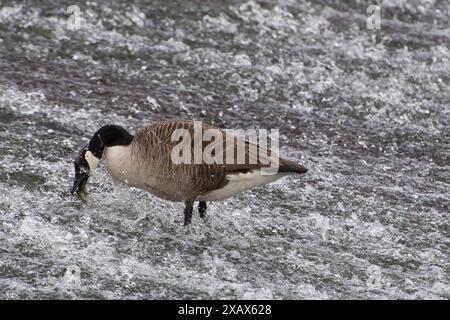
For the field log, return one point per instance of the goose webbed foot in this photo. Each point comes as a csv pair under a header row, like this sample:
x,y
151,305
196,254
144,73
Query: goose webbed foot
x,y
202,209
189,205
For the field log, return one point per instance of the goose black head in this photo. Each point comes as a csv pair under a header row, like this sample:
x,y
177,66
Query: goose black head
x,y
89,157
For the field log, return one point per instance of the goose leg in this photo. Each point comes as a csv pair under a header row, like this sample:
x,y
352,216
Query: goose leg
x,y
189,205
202,209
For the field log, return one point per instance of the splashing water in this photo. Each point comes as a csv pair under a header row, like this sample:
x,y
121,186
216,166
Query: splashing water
x,y
367,111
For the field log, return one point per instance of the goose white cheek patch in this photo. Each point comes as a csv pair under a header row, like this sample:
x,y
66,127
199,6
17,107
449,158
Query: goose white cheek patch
x,y
91,160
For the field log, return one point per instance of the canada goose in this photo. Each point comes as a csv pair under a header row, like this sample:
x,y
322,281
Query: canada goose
x,y
146,161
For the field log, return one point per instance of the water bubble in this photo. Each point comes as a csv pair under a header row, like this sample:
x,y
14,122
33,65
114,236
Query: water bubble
x,y
374,277
72,277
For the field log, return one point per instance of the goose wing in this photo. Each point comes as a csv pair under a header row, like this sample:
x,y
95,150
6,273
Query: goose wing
x,y
238,155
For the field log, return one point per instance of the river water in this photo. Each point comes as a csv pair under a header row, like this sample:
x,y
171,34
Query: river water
x,y
366,110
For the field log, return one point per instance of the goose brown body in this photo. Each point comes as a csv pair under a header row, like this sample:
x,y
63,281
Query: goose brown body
x,y
146,163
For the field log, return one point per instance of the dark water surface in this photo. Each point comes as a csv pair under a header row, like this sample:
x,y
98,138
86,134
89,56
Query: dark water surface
x,y
367,111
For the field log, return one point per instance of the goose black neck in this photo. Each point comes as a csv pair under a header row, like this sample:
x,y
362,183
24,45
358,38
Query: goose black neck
x,y
108,136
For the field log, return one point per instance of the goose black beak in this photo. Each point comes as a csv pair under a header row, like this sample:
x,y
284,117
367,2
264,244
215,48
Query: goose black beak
x,y
81,172
81,178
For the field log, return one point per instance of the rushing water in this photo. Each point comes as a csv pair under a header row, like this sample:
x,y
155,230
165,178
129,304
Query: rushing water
x,y
367,111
